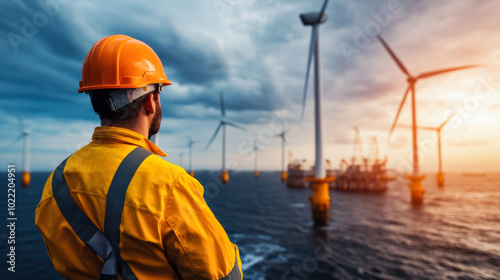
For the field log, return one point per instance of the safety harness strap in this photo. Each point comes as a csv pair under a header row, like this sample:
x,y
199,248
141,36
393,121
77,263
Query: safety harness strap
x,y
235,273
85,229
116,198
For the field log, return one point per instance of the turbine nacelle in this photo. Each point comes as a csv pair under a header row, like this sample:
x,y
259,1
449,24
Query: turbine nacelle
x,y
411,80
313,18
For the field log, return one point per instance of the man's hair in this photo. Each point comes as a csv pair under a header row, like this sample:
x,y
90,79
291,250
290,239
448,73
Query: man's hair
x,y
128,113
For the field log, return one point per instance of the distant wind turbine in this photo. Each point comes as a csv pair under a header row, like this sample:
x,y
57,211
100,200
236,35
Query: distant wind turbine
x,y
417,191
440,175
223,122
256,151
190,146
25,135
283,141
321,198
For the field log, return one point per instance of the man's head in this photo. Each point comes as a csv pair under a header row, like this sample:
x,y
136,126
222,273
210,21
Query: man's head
x,y
124,77
130,114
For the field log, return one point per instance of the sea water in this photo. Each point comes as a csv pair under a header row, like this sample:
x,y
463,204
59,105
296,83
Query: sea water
x,y
455,234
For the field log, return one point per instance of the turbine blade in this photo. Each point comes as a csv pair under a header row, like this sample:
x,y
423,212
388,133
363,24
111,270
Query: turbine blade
x,y
434,73
322,10
14,142
222,108
21,123
213,137
446,121
426,127
418,126
393,55
399,111
311,51
235,125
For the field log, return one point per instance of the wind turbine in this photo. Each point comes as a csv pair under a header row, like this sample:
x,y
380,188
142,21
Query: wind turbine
x,y
255,150
223,122
25,135
440,175
283,141
320,200
190,146
417,191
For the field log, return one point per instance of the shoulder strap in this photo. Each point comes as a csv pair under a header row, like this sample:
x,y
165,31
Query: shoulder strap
x,y
106,248
116,198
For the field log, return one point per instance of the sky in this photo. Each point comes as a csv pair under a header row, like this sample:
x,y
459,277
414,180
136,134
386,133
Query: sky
x,y
255,52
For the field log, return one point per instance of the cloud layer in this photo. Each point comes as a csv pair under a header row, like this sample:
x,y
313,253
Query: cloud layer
x,y
256,53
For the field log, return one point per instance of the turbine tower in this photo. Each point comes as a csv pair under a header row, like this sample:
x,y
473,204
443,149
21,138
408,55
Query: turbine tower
x,y
283,141
26,174
440,174
190,146
154,139
320,200
223,122
255,150
417,191
25,135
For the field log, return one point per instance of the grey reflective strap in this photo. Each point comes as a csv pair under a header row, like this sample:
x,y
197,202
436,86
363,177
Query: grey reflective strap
x,y
88,233
116,198
235,273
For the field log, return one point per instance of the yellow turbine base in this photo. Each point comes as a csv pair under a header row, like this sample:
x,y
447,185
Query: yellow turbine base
x,y
191,172
224,177
320,200
25,179
283,176
440,179
416,189
256,173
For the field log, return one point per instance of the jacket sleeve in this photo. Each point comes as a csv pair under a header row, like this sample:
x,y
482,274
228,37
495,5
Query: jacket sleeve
x,y
195,243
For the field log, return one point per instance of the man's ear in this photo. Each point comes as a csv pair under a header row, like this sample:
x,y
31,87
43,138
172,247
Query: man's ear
x,y
148,104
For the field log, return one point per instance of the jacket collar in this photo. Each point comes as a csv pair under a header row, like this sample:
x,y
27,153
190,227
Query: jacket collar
x,y
112,134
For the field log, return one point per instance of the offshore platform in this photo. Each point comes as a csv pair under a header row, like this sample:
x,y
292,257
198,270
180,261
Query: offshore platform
x,y
362,174
365,174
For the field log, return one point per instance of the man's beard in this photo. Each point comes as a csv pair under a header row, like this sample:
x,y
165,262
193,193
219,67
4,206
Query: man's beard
x,y
155,125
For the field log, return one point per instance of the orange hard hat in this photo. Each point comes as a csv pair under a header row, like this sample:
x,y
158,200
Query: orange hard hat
x,y
120,61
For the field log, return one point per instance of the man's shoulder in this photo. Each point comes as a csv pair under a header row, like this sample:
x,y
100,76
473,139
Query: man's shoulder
x,y
159,162
162,167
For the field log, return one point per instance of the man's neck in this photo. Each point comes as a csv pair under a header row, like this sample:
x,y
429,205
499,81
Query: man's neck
x,y
142,129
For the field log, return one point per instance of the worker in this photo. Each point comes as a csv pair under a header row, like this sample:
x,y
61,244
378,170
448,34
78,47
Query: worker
x,y
115,209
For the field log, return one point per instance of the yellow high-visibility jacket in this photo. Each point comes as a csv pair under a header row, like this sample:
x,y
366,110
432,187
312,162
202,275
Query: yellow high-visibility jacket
x,y
167,230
